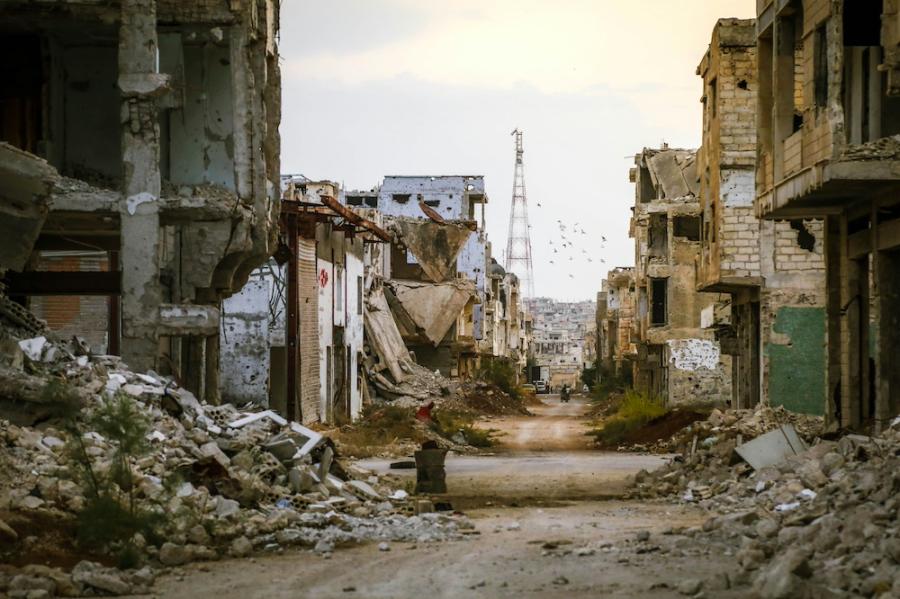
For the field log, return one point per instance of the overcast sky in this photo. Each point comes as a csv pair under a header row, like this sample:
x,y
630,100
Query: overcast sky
x,y
432,87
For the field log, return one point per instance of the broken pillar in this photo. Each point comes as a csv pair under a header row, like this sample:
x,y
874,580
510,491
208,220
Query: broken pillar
x,y
140,86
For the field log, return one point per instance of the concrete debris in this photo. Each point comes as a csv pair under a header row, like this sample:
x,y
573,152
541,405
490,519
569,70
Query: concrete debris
x,y
436,246
26,182
248,479
821,523
432,308
884,148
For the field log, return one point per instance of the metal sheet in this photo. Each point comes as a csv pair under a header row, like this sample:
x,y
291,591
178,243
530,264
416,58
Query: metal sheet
x,y
772,448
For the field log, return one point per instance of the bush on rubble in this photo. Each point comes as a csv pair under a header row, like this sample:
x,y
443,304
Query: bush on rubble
x,y
635,410
112,514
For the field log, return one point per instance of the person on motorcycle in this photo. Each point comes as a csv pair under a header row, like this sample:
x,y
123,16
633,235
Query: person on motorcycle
x,y
564,395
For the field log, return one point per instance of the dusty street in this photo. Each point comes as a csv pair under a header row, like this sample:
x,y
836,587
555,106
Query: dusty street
x,y
540,532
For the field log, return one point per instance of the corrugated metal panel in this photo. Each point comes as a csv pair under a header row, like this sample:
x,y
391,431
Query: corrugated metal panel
x,y
309,330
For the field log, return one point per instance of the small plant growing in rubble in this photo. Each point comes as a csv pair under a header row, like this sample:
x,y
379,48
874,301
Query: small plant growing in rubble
x,y
449,423
111,515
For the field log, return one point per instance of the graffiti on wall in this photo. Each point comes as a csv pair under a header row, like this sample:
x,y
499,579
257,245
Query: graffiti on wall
x,y
693,354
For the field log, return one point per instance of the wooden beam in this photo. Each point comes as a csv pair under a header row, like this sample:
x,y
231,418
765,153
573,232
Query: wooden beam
x,y
63,283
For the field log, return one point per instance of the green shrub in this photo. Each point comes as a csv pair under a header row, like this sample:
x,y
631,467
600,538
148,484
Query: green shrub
x,y
449,423
111,515
634,411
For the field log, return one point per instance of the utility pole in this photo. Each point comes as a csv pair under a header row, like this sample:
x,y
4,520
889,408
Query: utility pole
x,y
518,242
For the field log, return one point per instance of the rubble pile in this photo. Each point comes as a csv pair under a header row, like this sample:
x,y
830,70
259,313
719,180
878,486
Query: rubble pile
x,y
884,148
478,397
421,385
821,523
717,435
227,481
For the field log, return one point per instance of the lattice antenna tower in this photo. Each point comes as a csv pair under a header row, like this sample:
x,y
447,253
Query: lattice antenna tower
x,y
518,242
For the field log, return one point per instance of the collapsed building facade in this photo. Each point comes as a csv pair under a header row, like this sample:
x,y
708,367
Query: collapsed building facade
x,y
141,145
359,304
772,322
677,359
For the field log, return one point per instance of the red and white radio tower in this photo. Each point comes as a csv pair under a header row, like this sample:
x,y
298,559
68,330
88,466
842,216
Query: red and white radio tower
x,y
518,242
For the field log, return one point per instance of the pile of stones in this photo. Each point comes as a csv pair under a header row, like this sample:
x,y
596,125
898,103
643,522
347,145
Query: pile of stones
x,y
823,523
229,481
704,464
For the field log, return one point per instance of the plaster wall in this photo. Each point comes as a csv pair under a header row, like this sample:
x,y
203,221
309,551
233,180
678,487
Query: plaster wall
x,y
244,357
201,148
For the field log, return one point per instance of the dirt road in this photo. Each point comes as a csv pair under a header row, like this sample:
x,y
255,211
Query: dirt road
x,y
541,532
555,426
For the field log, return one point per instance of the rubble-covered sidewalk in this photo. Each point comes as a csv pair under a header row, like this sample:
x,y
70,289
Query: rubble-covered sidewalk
x,y
221,480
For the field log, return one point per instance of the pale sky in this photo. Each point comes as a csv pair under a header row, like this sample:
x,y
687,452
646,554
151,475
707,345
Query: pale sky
x,y
434,87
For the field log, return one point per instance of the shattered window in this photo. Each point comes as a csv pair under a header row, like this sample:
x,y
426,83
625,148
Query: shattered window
x,y
686,226
400,198
658,290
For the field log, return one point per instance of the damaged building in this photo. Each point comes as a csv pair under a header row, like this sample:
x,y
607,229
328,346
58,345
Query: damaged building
x,y
146,134
438,284
771,321
677,360
829,153
616,350
357,303
293,337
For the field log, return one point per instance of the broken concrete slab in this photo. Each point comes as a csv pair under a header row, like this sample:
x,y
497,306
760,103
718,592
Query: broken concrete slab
x,y
772,448
435,246
434,307
188,319
26,183
384,336
675,171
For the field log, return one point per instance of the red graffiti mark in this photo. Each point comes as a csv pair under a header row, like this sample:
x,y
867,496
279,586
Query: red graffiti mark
x,y
323,277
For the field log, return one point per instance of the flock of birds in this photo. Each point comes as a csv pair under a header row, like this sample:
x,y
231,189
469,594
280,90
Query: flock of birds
x,y
570,242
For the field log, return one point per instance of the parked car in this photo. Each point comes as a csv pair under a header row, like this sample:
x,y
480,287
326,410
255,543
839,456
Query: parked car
x,y
529,388
540,387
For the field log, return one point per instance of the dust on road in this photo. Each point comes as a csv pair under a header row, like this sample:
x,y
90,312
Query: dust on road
x,y
555,426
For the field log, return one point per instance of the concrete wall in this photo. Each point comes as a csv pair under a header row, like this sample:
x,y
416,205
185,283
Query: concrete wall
x,y
450,193
354,319
201,131
473,261
244,356
327,317
697,371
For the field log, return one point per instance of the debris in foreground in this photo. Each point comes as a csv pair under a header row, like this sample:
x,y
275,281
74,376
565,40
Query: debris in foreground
x,y
821,523
222,480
